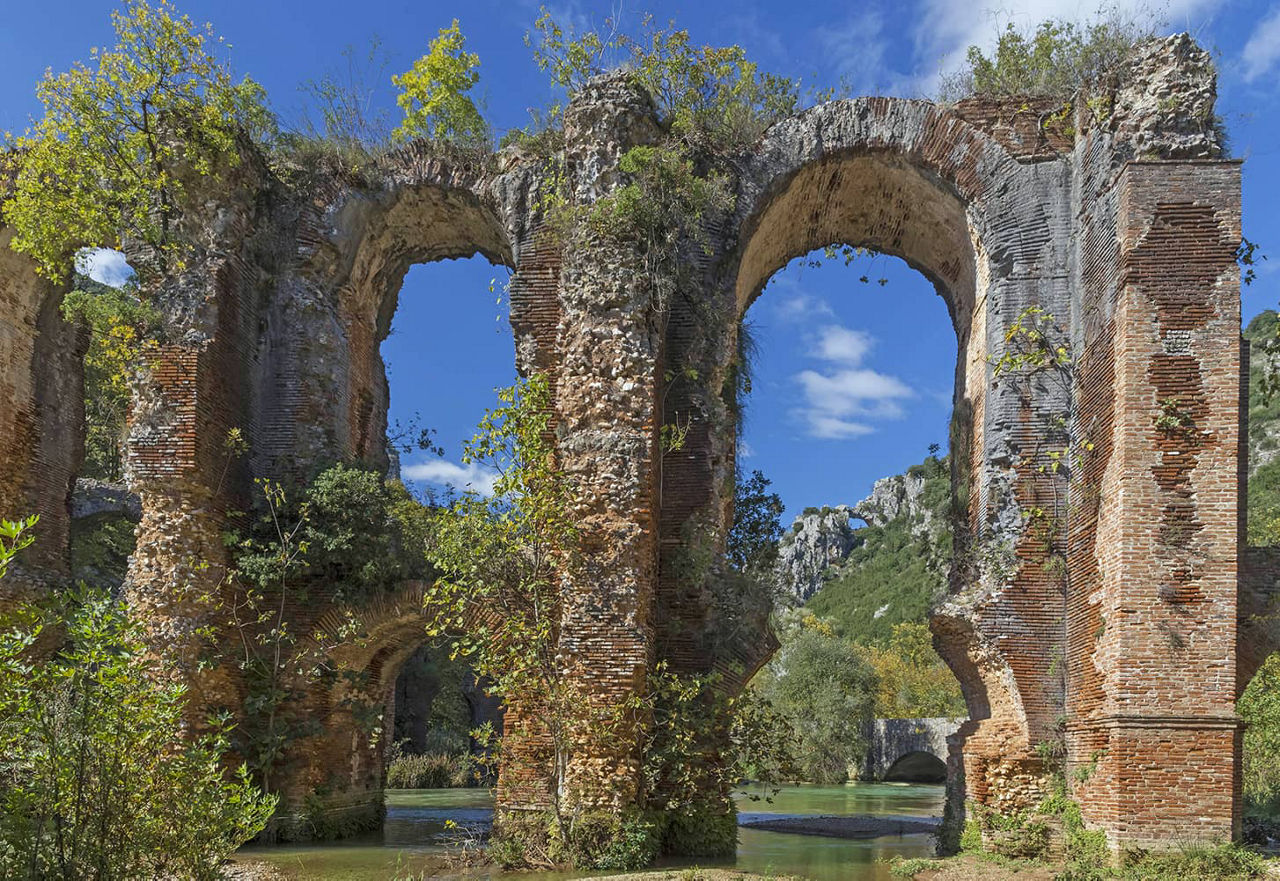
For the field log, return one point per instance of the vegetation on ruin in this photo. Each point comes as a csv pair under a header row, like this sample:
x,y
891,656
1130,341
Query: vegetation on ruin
x,y
1056,59
124,138
345,536
99,774
433,93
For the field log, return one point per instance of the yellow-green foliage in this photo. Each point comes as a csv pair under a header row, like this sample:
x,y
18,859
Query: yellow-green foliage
x,y
122,137
911,680
433,93
120,325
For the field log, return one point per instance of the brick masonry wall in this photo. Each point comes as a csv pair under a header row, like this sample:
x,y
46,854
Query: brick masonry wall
x,y
1131,646
41,418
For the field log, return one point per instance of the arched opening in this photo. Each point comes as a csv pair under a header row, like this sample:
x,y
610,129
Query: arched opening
x,y
450,320
917,767
872,379
366,351
106,307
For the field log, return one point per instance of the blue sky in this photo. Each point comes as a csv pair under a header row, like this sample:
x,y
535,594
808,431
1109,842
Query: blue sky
x,y
853,380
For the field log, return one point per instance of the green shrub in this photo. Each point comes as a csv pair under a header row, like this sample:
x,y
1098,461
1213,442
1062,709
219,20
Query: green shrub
x,y
1055,60
99,777
610,841
431,771
1225,862
708,829
900,867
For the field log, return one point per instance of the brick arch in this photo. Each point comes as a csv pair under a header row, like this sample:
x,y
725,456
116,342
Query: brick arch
x,y
983,222
354,243
339,771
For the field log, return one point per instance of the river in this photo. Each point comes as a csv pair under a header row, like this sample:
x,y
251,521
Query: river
x,y
416,824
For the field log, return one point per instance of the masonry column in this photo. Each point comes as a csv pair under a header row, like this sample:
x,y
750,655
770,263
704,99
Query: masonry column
x,y
189,393
1153,730
42,420
606,403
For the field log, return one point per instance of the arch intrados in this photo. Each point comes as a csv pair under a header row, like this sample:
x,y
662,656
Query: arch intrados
x,y
916,766
863,198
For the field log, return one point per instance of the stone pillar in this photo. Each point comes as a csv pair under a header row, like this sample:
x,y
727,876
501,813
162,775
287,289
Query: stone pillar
x,y
1152,726
42,417
606,402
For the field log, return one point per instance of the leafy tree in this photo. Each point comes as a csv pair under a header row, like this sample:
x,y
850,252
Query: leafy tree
x,y
911,680
825,689
120,325
434,93
1055,60
757,526
122,138
500,559
352,535
98,776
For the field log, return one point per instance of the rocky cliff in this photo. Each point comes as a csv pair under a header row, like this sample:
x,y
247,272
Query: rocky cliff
x,y
819,545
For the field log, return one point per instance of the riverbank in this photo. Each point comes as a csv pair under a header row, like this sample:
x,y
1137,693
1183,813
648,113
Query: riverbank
x,y
249,871
1223,863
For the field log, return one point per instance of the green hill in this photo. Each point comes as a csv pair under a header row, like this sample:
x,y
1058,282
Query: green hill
x,y
1264,431
896,568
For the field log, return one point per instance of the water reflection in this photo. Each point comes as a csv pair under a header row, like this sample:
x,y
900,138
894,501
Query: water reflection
x,y
415,832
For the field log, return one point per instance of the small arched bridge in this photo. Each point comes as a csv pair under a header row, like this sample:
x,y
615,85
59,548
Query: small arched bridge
x,y
908,750
1096,584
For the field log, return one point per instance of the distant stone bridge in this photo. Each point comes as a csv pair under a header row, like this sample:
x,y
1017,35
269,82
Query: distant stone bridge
x,y
908,750
1096,484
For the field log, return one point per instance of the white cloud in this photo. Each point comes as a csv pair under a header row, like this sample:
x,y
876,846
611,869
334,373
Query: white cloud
x,y
1263,49
836,343
831,428
745,450
105,266
859,392
802,307
459,477
842,399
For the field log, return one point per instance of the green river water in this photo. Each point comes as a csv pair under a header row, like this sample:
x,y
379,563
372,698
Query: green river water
x,y
416,821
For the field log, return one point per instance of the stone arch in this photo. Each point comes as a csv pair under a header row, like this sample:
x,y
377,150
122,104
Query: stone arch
x,y
980,220
324,327
917,766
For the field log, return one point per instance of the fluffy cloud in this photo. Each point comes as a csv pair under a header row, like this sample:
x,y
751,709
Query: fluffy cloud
x,y
840,344
844,397
459,477
105,266
1263,49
